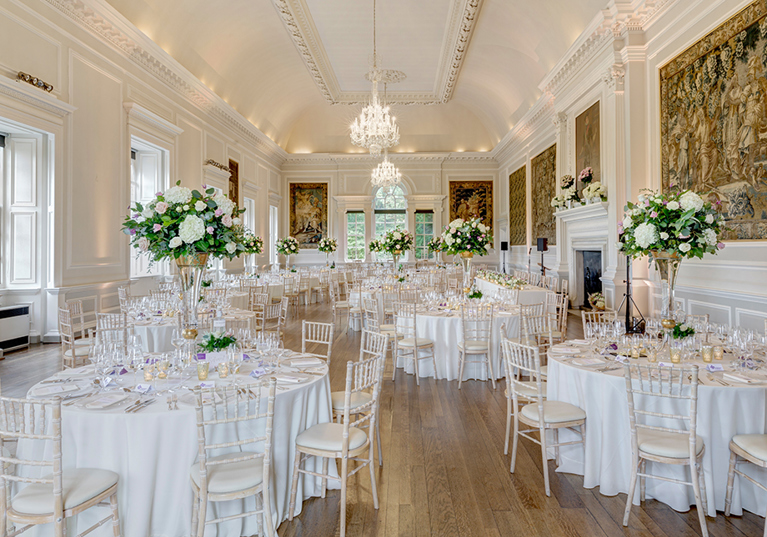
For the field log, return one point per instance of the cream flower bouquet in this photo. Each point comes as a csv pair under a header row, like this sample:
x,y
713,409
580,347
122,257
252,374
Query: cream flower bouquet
x,y
287,246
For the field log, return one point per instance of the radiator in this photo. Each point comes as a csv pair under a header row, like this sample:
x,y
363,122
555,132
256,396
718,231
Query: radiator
x,y
14,328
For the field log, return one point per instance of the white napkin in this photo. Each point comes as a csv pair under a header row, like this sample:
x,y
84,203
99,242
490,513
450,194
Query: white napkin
x,y
44,391
561,349
306,362
289,379
737,377
106,400
585,362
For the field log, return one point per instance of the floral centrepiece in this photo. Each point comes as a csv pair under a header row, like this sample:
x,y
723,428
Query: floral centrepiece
x,y
375,246
682,331
185,222
504,280
474,293
597,301
435,244
466,236
595,190
287,246
253,244
397,240
327,245
216,341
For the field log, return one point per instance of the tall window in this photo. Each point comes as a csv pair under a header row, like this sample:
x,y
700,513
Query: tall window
x,y
424,232
390,213
149,175
249,220
355,235
274,225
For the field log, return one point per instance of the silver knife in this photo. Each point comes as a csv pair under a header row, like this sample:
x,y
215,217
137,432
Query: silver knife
x,y
144,405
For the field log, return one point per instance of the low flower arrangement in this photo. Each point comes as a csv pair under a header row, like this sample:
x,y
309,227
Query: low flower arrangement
x,y
435,244
474,293
682,331
504,280
375,245
466,236
287,246
184,222
586,175
216,341
327,245
568,192
397,239
680,223
597,301
595,190
253,243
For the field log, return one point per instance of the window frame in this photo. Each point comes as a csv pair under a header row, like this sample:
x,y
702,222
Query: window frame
x,y
359,219
423,249
392,218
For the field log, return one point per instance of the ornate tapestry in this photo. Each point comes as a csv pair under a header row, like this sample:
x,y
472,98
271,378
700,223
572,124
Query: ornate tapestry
x,y
587,142
544,180
518,207
714,121
472,199
308,213
234,181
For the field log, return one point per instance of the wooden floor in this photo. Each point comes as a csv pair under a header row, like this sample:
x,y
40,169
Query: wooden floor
x,y
444,471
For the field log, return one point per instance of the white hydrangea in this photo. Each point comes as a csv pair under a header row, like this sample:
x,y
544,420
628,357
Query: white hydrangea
x,y
627,221
200,206
709,236
645,234
231,247
224,203
147,213
690,200
178,195
672,206
684,247
455,224
175,242
191,229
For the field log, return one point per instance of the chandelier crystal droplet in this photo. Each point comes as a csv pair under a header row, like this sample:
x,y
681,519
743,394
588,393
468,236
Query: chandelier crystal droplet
x,y
385,175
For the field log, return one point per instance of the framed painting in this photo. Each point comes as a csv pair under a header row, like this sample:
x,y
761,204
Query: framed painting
x,y
543,170
308,213
234,181
472,199
587,141
714,121
518,207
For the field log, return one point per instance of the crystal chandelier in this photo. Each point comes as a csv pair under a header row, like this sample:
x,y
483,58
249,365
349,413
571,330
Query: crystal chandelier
x,y
375,129
385,175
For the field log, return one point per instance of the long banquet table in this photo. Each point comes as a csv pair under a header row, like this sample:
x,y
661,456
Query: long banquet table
x,y
723,411
153,450
527,295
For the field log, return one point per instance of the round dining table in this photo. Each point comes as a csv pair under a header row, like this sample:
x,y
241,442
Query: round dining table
x,y
529,294
726,407
154,448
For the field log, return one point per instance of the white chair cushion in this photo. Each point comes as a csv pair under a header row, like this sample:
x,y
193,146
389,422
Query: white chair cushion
x,y
357,399
554,412
83,342
409,342
753,444
231,477
342,304
79,351
528,389
329,437
663,444
386,327
78,486
355,310
544,370
474,345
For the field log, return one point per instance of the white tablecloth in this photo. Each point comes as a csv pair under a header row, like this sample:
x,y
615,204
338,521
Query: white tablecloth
x,y
445,332
528,295
153,450
722,413
156,337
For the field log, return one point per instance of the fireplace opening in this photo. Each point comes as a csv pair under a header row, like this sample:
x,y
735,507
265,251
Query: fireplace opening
x,y
592,274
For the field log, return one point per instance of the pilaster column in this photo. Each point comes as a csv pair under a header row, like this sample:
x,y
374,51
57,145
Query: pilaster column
x,y
369,231
562,123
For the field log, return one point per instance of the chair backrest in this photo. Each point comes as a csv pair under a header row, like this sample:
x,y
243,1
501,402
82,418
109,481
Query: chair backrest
x,y
32,420
289,285
697,319
77,316
318,334
112,326
531,309
534,278
66,329
370,314
256,300
525,361
409,295
303,283
405,319
123,295
362,376
589,317
537,329
564,287
653,383
372,344
477,322
223,409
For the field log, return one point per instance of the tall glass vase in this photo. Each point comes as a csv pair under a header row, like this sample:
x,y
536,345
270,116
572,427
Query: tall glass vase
x,y
395,257
466,258
287,262
190,269
667,265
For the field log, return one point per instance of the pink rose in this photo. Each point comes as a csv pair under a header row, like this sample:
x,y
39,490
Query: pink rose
x,y
653,214
210,230
219,212
227,220
158,193
161,207
143,244
720,246
157,227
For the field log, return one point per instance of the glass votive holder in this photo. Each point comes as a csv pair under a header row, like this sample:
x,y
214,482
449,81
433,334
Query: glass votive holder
x,y
636,350
675,353
707,353
652,355
149,372
162,367
718,352
202,370
223,370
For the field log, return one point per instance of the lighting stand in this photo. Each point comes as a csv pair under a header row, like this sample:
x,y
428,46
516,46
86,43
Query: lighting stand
x,y
633,326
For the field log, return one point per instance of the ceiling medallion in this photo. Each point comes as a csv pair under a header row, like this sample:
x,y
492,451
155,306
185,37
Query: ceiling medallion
x,y
375,129
385,175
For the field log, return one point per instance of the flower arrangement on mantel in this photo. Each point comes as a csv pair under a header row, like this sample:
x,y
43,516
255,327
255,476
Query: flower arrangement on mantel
x,y
680,223
595,192
504,280
287,246
327,245
569,196
185,222
397,239
466,236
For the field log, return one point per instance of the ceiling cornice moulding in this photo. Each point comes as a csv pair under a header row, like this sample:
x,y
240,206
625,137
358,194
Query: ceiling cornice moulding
x,y
342,158
105,22
297,20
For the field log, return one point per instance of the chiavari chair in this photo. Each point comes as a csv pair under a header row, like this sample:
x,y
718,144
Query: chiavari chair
x,y
77,315
476,335
72,355
407,344
339,303
317,334
597,317
745,448
123,295
290,290
246,468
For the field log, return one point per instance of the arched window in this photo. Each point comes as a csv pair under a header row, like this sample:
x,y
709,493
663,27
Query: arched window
x,y
390,208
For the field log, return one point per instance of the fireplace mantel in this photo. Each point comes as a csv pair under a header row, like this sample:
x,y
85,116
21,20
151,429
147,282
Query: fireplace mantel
x,y
583,212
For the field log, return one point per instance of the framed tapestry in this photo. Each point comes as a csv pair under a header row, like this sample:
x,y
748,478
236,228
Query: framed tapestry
x,y
543,170
472,199
518,207
587,142
234,181
308,213
714,121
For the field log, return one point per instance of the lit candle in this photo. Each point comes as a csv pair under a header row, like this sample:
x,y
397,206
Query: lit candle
x,y
676,355
148,370
718,352
223,370
707,353
202,370
635,350
652,355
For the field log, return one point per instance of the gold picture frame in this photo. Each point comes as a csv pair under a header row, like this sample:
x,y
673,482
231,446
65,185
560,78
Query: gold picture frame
x,y
543,171
518,207
472,199
308,213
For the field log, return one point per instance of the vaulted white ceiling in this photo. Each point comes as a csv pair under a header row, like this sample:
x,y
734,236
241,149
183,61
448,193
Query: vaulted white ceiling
x,y
295,68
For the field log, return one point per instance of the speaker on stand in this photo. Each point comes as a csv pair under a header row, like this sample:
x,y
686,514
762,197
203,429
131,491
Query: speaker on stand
x,y
504,249
543,247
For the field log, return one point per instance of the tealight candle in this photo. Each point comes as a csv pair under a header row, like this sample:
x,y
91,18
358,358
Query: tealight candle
x,y
707,353
202,370
148,371
718,352
675,354
223,370
652,355
635,351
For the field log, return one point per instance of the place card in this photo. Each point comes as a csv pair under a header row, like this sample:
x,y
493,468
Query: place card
x,y
207,384
665,364
143,388
714,367
622,359
258,372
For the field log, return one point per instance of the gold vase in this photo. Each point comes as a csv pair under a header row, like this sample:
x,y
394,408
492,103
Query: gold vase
x,y
667,264
466,258
395,257
190,269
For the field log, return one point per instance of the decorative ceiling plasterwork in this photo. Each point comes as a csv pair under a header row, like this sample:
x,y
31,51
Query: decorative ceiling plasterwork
x,y
111,26
338,158
462,21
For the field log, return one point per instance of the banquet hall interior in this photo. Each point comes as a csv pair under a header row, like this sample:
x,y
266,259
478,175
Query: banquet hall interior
x,y
383,267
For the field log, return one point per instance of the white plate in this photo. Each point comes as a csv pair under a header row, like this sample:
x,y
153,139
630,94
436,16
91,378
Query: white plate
x,y
54,391
290,379
106,400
